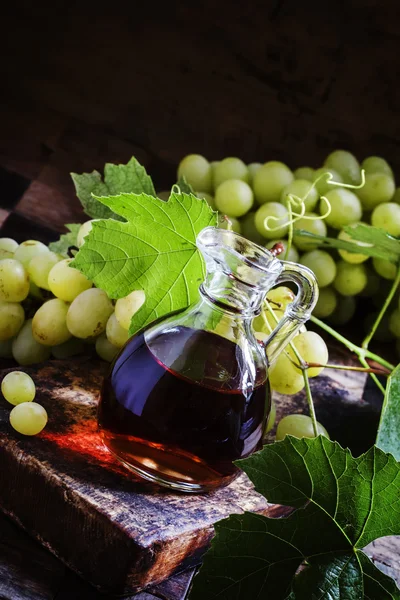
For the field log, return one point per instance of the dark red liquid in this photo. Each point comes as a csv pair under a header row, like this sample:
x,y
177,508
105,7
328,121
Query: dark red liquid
x,y
184,424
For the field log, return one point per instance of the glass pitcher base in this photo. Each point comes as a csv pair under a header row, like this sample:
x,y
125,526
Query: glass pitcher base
x,y
148,469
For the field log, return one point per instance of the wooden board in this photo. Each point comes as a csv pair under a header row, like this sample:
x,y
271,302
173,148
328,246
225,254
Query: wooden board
x,y
66,490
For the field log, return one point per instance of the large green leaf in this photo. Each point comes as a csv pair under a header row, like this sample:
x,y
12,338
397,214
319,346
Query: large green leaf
x,y
155,251
340,503
118,179
388,438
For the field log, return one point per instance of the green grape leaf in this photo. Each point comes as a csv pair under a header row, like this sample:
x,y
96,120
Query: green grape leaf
x,y
118,179
382,245
340,504
154,250
388,437
66,240
184,186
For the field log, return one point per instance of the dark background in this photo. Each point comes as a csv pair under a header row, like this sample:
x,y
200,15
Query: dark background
x,y
283,80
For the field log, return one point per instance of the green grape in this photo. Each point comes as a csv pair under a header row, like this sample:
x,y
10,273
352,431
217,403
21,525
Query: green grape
x,y
249,229
27,250
304,173
88,314
352,257
284,377
322,265
12,317
280,297
14,281
350,279
6,348
71,347
272,209
105,349
302,189
67,283
270,181
49,325
40,267
323,186
165,194
261,336
373,284
234,198
209,199
26,350
378,188
126,307
28,418
376,164
312,349
387,216
265,323
7,248
396,196
346,165
116,334
300,426
86,228
345,208
344,311
230,168
394,323
326,304
252,169
271,417
197,171
293,255
18,387
35,291
315,225
384,268
230,223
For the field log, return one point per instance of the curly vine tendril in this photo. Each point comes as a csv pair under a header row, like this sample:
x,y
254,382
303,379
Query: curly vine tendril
x,y
297,208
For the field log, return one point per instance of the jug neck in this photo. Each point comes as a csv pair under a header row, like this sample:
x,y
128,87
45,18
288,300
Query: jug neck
x,y
228,294
239,272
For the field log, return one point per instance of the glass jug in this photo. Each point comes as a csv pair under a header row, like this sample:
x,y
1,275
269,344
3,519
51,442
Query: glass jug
x,y
189,394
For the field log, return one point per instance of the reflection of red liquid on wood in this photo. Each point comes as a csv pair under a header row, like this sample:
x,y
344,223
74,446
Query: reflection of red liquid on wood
x,y
84,439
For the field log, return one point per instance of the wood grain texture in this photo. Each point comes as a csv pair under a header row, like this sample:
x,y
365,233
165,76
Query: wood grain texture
x,y
118,533
28,571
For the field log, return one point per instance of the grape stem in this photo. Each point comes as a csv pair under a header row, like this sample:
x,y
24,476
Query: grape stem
x,y
360,352
368,369
378,319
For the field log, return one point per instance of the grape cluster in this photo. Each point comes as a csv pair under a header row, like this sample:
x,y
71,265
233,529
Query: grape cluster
x,y
27,417
48,308
248,194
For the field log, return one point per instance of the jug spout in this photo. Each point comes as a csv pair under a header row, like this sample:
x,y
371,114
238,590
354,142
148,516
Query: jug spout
x,y
239,272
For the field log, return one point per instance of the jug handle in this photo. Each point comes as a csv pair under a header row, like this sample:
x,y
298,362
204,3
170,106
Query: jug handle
x,y
297,312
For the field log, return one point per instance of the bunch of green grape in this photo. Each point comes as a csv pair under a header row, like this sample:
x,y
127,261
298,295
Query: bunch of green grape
x,y
27,417
248,194
48,308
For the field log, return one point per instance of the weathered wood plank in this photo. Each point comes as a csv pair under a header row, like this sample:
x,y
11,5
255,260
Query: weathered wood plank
x,y
117,532
28,571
